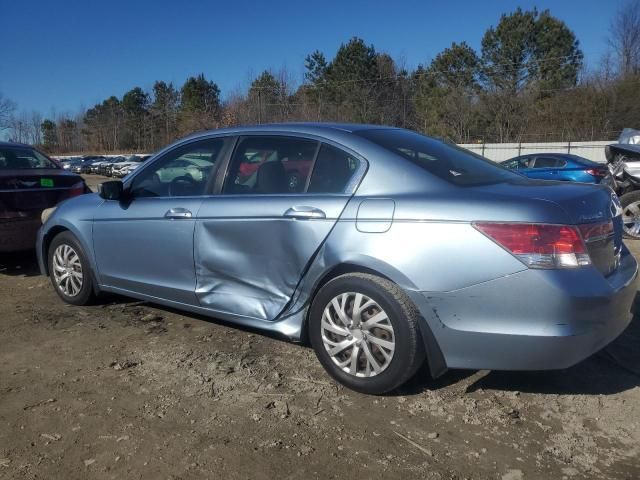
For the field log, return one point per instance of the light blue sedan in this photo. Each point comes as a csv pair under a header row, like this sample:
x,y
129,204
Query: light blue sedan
x,y
392,249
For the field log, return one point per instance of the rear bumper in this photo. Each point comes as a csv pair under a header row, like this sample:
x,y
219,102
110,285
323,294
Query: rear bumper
x,y
531,320
19,234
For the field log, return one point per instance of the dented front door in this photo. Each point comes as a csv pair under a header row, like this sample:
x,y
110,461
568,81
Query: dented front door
x,y
251,250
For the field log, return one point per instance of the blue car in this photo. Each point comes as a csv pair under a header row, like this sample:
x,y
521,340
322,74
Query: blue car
x,y
393,249
557,166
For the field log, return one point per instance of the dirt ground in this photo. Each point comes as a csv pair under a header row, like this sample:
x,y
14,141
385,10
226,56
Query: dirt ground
x,y
126,389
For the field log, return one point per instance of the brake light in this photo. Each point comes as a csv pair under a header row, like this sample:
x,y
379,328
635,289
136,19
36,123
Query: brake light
x,y
77,189
597,172
596,231
540,245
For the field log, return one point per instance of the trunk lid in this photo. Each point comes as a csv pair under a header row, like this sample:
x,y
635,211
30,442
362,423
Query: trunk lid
x,y
31,191
584,205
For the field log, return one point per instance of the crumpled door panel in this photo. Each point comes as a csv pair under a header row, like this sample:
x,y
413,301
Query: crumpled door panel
x,y
249,257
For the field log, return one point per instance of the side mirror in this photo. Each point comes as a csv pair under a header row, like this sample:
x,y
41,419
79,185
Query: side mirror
x,y
111,190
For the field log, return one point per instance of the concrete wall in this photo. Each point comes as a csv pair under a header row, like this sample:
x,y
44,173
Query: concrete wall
x,y
504,151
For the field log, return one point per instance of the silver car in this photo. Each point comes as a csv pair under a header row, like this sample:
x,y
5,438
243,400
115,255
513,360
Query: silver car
x,y
390,250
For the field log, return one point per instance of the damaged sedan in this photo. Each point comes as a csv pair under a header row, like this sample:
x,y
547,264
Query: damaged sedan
x,y
391,249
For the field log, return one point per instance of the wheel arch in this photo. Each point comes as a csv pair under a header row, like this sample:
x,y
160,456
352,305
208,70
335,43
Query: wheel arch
x,y
46,243
435,358
52,233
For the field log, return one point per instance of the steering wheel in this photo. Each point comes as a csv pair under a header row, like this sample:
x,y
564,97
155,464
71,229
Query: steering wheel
x,y
182,186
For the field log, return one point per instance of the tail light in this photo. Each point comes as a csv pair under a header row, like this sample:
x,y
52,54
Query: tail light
x,y
597,172
540,245
77,189
592,232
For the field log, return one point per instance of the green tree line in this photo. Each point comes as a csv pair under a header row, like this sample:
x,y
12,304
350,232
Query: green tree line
x,y
527,82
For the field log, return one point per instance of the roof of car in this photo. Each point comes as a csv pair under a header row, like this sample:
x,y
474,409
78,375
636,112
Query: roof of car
x,y
294,127
14,144
550,154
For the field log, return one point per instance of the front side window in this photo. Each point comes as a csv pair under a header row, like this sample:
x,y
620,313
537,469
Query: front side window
x,y
332,171
446,161
184,171
23,158
270,165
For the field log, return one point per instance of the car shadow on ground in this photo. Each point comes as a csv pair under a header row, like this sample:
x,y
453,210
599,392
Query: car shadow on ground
x,y
612,370
19,264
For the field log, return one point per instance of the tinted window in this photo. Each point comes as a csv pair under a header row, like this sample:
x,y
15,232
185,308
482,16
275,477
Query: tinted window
x,y
518,163
332,171
23,158
184,171
269,165
446,161
548,162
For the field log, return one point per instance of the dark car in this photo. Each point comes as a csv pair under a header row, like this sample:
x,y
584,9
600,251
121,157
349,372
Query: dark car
x,y
106,167
29,182
557,166
88,163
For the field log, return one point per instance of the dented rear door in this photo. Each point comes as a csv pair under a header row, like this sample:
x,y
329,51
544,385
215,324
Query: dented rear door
x,y
251,250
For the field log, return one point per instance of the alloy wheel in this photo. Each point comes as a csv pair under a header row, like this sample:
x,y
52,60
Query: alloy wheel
x,y
631,219
67,270
357,334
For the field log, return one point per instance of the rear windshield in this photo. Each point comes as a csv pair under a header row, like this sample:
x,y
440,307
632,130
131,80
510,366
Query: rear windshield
x,y
23,158
444,160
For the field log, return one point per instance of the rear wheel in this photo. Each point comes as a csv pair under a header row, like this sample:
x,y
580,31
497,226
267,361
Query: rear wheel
x,y
69,270
631,214
364,330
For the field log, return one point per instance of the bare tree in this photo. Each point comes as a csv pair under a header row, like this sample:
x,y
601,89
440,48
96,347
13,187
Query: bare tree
x,y
35,125
7,107
624,37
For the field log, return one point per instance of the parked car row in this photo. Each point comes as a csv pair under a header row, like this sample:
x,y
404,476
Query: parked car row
x,y
117,166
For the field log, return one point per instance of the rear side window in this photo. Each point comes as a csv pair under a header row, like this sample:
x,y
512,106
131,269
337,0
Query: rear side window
x,y
332,171
270,165
548,162
446,161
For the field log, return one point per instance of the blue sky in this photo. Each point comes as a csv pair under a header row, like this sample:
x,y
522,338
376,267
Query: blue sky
x,y
64,55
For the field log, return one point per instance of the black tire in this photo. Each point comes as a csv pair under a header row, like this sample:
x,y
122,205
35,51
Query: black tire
x,y
86,294
626,200
409,352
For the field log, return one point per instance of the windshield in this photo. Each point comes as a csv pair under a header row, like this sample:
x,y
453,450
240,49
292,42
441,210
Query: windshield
x,y
23,158
444,160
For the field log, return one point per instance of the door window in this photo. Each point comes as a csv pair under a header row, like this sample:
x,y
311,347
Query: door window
x,y
548,162
270,165
185,171
332,171
519,163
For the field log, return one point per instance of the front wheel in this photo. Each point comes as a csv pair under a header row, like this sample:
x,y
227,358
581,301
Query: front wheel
x,y
69,270
364,331
631,214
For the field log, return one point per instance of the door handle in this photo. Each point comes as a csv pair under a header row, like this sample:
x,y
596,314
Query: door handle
x,y
304,212
178,213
